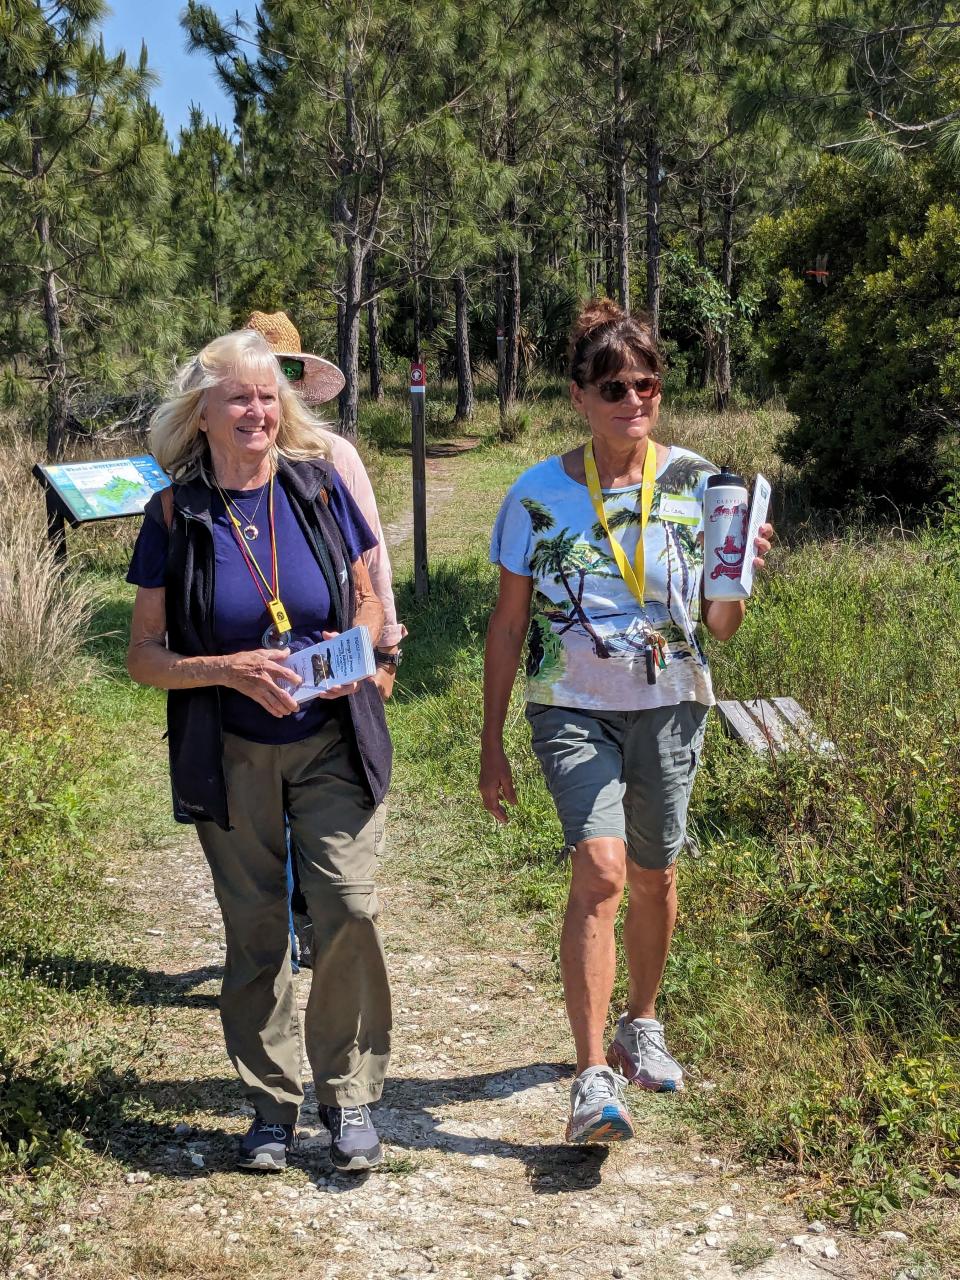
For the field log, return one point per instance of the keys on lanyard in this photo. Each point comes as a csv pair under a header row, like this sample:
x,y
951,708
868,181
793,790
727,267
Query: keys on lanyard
x,y
654,655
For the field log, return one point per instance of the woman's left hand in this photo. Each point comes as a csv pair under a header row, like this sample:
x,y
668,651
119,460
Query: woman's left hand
x,y
762,544
342,690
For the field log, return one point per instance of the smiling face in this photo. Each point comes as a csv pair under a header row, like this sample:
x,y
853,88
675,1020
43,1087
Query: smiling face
x,y
631,419
241,417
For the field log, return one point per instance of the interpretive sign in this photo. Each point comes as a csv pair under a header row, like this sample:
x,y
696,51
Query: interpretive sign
x,y
103,489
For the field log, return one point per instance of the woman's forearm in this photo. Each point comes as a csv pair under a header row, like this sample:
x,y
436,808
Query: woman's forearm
x,y
369,614
152,663
722,618
500,662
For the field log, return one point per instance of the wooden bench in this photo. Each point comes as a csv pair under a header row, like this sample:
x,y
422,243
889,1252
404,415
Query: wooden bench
x,y
772,724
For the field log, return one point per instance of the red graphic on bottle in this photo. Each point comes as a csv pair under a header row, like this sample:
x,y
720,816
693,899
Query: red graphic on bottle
x,y
720,512
730,556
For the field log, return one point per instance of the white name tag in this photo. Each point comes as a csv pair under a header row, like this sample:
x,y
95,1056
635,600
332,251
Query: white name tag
x,y
679,509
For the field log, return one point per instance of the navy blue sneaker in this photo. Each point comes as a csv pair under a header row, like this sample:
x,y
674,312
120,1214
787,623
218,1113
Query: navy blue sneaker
x,y
264,1147
355,1145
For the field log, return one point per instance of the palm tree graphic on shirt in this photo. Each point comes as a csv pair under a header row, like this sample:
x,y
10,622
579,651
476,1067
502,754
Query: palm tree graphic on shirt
x,y
568,559
562,557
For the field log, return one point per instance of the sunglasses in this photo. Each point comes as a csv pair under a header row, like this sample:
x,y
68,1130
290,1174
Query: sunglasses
x,y
292,369
616,390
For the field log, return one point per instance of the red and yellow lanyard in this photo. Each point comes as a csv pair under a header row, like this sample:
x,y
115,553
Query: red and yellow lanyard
x,y
269,591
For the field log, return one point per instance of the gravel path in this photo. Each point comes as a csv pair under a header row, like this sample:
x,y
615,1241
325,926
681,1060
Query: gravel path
x,y
476,1182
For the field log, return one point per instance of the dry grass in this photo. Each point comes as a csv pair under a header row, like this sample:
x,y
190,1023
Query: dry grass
x,y
45,609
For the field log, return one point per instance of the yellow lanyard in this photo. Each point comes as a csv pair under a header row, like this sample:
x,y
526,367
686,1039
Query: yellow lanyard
x,y
268,592
633,575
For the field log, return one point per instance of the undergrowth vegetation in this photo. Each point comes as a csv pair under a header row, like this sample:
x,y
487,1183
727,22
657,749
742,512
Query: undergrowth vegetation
x,y
77,784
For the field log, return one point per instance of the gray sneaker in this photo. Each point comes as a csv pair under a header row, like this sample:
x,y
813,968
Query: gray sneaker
x,y
355,1146
639,1051
597,1111
264,1146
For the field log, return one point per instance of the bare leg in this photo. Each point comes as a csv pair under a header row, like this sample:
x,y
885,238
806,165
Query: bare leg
x,y
587,946
651,916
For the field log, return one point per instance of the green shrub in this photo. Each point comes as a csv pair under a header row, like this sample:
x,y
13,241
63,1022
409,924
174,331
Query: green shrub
x,y
870,362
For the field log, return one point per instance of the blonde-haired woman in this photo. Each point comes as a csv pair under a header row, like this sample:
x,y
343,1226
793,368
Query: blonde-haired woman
x,y
259,544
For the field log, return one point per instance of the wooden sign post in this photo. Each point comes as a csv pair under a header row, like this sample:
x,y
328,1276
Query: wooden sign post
x,y
501,351
418,398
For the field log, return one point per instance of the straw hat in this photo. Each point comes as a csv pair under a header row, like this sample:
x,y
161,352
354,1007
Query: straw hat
x,y
322,380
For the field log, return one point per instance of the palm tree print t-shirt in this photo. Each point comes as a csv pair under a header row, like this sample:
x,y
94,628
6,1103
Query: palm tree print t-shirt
x,y
585,646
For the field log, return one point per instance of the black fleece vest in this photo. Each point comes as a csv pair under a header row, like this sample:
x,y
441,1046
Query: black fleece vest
x,y
194,729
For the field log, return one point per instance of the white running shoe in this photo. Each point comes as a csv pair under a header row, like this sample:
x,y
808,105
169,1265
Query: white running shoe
x,y
597,1111
639,1051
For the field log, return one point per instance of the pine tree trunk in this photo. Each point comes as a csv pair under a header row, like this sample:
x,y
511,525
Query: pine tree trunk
x,y
620,177
593,265
350,354
373,332
705,376
653,230
609,234
348,312
466,405
56,368
724,379
653,159
511,363
511,369
500,308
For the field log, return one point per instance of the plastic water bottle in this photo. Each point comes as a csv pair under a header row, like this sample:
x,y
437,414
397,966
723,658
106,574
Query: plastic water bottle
x,y
726,512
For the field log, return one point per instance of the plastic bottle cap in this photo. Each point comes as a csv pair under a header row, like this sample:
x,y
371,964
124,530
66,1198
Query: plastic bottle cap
x,y
725,476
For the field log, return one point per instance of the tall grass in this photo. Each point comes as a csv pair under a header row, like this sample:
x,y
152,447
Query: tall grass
x,y
45,608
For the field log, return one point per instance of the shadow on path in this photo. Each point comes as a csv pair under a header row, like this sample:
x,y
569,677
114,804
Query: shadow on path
x,y
122,983
112,1110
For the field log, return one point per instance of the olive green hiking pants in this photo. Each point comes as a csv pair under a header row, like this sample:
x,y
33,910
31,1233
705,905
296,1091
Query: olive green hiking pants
x,y
336,833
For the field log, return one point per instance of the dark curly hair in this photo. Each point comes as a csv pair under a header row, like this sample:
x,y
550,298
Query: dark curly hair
x,y
605,339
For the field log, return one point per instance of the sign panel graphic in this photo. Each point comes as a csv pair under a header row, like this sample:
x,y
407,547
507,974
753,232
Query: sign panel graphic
x,y
104,489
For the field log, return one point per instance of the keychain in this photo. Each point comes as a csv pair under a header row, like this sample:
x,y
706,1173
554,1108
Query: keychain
x,y
654,655
651,663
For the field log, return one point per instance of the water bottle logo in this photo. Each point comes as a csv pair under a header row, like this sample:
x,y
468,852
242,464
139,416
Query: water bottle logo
x,y
722,512
730,555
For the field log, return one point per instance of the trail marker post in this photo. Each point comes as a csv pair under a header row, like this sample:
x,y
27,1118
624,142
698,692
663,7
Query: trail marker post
x,y
501,351
418,397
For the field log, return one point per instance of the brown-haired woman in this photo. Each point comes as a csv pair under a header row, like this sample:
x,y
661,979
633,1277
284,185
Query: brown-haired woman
x,y
600,555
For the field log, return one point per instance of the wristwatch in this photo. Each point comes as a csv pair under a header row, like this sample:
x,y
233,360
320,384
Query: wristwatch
x,y
388,658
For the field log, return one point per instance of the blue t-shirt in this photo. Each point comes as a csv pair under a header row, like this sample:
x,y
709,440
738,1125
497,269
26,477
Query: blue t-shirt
x,y
240,616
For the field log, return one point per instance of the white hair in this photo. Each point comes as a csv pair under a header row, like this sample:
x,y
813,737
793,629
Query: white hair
x,y
176,440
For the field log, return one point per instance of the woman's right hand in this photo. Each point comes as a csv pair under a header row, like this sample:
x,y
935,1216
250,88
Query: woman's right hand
x,y
496,782
255,672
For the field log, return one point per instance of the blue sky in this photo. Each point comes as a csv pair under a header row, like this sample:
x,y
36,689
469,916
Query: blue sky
x,y
184,77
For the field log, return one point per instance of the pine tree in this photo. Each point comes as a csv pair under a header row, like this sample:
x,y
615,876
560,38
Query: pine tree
x,y
85,274
210,227
362,91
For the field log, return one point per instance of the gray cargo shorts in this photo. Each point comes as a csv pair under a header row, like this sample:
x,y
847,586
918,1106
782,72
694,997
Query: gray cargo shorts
x,y
626,774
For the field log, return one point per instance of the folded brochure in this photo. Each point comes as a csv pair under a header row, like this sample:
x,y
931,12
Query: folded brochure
x,y
345,658
759,508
